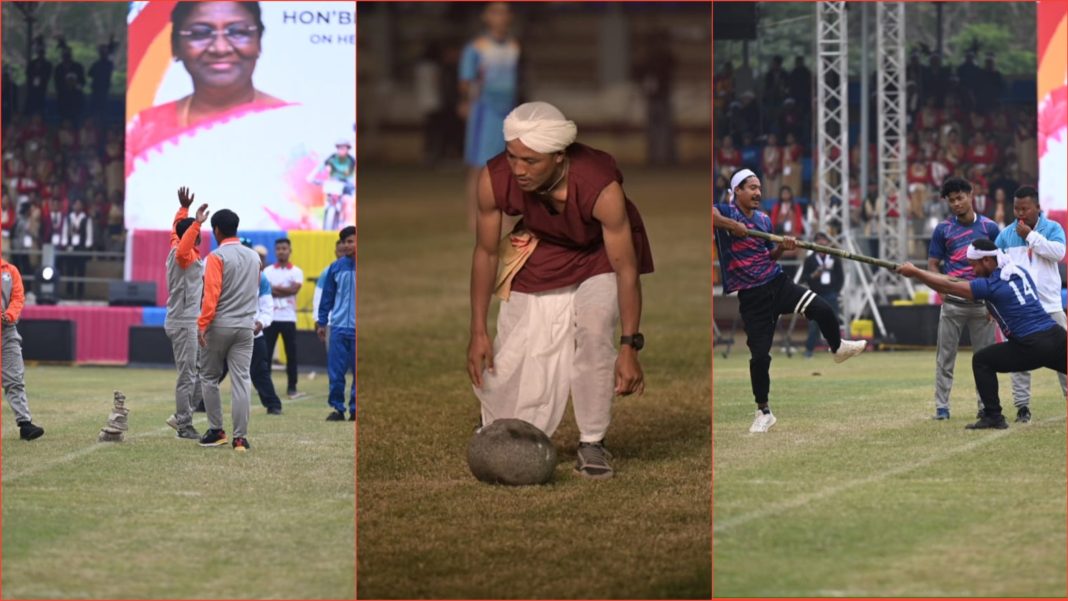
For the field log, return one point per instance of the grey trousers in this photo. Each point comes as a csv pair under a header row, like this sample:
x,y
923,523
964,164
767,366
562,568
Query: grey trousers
x,y
951,322
14,374
185,347
232,346
1021,380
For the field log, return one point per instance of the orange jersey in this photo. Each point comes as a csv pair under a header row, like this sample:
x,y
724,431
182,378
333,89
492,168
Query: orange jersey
x,y
231,287
14,295
213,271
187,249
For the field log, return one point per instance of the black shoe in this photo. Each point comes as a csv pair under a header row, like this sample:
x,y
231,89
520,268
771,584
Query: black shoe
x,y
996,422
213,438
336,416
241,444
29,431
1023,415
352,417
274,411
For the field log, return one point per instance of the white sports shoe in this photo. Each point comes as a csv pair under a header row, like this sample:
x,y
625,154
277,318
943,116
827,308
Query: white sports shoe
x,y
849,348
762,422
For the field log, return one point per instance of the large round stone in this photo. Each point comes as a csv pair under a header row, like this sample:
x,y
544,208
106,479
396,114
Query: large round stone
x,y
513,452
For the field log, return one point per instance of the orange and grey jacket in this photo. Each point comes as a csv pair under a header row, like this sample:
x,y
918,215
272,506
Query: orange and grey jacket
x,y
231,287
185,275
14,296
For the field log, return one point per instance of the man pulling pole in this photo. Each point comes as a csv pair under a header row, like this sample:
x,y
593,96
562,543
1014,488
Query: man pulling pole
x,y
751,267
1035,340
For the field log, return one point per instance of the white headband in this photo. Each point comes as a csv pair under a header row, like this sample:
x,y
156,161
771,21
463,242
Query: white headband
x,y
974,254
1008,268
737,180
540,126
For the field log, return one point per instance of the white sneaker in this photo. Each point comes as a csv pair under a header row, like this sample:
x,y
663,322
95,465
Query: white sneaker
x,y
849,348
762,422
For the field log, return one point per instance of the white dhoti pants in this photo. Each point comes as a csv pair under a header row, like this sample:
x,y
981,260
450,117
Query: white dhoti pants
x,y
550,344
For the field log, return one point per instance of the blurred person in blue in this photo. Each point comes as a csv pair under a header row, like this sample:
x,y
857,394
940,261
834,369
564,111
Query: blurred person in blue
x,y
489,90
338,308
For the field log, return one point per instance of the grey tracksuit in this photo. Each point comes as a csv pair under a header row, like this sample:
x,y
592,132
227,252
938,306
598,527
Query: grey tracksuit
x,y
954,317
14,373
228,316
185,287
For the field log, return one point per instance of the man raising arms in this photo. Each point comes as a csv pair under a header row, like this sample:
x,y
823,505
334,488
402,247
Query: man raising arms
x,y
185,285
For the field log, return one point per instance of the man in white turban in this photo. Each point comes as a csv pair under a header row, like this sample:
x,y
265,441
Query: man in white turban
x,y
572,267
1008,290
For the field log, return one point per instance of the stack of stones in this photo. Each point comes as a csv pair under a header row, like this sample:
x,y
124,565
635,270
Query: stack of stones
x,y
115,430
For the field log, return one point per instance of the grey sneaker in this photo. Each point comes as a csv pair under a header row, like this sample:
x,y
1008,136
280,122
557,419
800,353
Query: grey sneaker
x,y
592,461
188,432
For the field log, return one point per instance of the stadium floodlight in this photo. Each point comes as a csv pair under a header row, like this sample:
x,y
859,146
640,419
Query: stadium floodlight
x,y
47,285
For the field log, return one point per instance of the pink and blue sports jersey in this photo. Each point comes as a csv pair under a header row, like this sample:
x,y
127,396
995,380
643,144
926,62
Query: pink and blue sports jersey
x,y
950,241
1014,304
745,262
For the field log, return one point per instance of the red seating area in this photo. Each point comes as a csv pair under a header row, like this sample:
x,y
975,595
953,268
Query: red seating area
x,y
148,256
102,332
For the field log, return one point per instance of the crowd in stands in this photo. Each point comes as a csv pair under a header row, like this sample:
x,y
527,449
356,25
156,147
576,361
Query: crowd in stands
x,y
62,169
958,124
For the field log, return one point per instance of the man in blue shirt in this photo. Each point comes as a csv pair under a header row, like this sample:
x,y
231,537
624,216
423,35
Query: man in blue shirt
x,y
749,265
338,307
1035,340
949,245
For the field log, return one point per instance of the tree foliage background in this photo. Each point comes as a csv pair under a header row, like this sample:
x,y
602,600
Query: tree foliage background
x,y
1007,29
85,25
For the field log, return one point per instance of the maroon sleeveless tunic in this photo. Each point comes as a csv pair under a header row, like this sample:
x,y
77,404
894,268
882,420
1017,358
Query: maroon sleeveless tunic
x,y
571,246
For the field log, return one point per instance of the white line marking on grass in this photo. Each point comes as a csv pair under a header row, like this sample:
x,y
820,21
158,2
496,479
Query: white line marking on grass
x,y
830,491
7,477
80,453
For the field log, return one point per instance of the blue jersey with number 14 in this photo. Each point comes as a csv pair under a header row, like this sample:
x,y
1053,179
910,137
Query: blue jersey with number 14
x,y
1013,303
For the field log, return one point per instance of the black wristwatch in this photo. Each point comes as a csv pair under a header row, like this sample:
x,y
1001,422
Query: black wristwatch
x,y
637,341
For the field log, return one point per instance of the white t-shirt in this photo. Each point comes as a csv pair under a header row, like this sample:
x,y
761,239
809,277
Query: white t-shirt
x,y
285,307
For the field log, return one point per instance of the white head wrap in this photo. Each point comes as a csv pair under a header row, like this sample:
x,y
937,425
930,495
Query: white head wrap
x,y
540,126
737,180
1008,267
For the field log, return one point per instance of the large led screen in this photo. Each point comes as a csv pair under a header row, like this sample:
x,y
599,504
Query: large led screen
x,y
253,112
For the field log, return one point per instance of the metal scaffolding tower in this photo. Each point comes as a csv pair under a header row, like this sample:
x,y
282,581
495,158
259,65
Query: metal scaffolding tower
x,y
893,206
832,121
832,150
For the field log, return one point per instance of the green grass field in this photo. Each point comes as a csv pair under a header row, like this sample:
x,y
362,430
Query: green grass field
x,y
857,492
427,528
156,517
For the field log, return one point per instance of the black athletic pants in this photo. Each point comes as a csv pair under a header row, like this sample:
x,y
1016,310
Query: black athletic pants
x,y
288,330
761,307
1048,348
